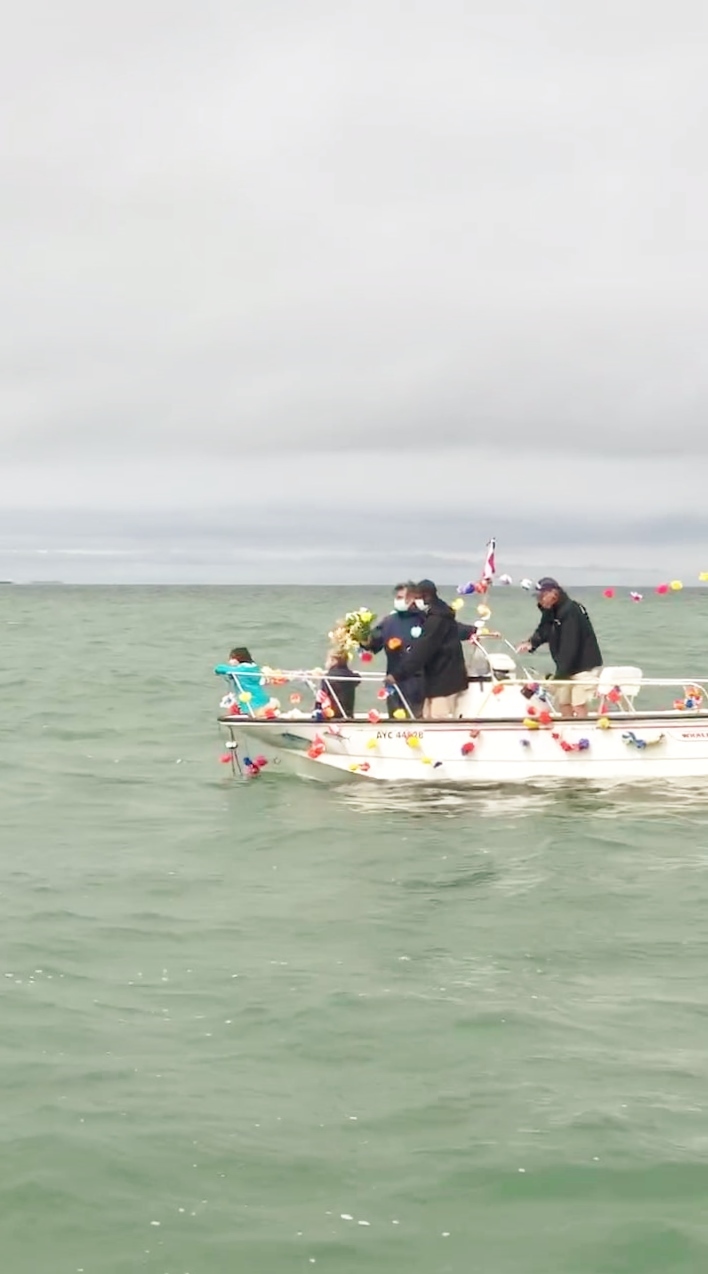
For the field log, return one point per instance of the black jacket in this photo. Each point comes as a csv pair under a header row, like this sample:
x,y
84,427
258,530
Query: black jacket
x,y
437,653
407,626
571,638
341,692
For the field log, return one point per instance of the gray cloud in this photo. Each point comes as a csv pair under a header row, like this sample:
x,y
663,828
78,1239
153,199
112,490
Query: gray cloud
x,y
291,253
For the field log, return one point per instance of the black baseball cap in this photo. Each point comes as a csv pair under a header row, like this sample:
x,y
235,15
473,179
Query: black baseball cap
x,y
546,583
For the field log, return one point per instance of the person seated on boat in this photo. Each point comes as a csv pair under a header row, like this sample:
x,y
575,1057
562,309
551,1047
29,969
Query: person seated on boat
x,y
337,692
437,654
566,627
252,696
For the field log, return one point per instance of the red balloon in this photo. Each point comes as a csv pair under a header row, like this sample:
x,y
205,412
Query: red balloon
x,y
366,656
608,592
661,589
225,758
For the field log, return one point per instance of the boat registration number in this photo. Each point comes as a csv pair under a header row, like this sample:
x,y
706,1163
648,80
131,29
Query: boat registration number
x,y
399,734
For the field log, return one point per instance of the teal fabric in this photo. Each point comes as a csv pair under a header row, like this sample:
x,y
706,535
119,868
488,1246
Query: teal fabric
x,y
247,679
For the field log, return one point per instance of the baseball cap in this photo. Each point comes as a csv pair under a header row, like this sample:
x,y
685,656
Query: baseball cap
x,y
546,583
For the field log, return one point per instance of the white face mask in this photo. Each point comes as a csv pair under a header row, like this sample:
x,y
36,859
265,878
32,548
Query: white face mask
x,y
400,603
420,603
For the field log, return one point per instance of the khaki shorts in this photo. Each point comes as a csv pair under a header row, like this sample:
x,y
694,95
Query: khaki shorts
x,y
440,709
582,690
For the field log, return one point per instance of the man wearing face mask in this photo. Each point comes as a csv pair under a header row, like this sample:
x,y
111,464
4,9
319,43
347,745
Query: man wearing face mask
x,y
437,654
395,634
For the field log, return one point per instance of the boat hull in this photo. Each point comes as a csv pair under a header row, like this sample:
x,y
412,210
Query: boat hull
x,y
632,748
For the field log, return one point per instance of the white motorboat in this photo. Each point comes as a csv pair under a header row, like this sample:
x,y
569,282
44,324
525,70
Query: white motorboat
x,y
507,731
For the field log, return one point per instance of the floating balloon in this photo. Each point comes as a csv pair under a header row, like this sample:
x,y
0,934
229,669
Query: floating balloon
x,y
483,611
637,597
608,592
381,694
458,603
703,577
527,584
366,656
661,589
505,579
676,586
225,758
374,716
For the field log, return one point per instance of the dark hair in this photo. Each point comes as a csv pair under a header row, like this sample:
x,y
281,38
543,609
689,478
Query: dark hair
x,y
407,585
243,654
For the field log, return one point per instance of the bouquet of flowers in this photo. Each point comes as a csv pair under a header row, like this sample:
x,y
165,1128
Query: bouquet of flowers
x,y
353,631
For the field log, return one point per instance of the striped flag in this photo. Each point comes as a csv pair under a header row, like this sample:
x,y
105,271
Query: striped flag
x,y
489,561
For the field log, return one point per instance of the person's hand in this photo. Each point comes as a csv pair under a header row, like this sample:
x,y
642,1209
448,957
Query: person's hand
x,y
389,680
524,648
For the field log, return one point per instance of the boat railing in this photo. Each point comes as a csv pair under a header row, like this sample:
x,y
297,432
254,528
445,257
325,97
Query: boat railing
x,y
687,694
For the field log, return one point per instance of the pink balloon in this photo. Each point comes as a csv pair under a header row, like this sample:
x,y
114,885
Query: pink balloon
x,y
662,588
609,592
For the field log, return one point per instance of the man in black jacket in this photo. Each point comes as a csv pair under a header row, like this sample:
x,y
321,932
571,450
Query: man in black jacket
x,y
395,634
437,653
574,648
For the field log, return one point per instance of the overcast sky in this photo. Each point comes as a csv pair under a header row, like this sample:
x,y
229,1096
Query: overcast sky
x,y
298,289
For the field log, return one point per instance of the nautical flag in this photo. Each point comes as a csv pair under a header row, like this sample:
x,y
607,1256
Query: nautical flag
x,y
489,562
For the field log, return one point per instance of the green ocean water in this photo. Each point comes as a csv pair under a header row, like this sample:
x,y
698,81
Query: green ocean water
x,y
274,1025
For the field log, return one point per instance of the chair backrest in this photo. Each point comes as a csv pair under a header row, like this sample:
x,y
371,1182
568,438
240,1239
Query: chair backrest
x,y
502,664
627,679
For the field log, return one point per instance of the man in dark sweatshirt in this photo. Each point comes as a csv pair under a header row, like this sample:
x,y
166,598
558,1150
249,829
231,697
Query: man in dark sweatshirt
x,y
395,634
565,625
436,654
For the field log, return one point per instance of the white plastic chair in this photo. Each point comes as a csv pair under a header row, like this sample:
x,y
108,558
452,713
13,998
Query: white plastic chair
x,y
627,680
